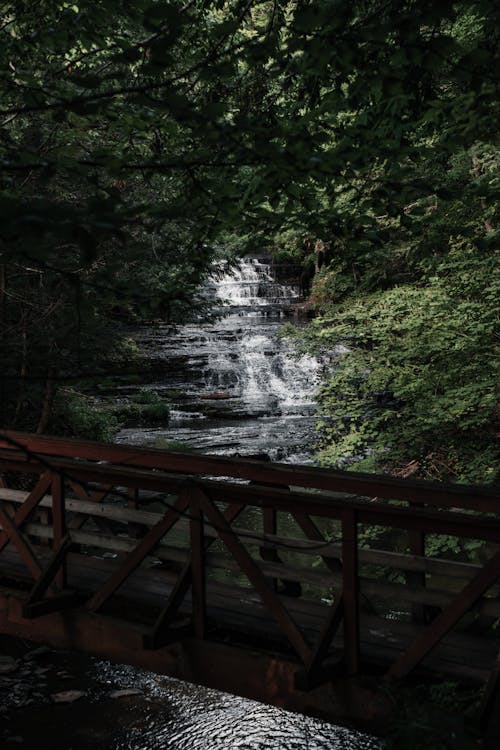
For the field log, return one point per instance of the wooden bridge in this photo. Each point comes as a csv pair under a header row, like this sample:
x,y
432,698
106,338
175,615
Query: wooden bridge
x,y
271,581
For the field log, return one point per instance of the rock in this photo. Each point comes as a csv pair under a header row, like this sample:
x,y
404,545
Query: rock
x,y
37,652
8,664
124,693
67,696
215,396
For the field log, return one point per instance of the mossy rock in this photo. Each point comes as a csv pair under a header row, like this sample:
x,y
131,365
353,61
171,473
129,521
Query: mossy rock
x,y
163,443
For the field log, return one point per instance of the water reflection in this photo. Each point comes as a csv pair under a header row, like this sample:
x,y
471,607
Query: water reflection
x,y
186,717
124,708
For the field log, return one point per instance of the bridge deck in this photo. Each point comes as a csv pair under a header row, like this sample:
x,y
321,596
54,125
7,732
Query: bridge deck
x,y
237,614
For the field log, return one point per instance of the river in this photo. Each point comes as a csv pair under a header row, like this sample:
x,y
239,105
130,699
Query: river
x,y
236,389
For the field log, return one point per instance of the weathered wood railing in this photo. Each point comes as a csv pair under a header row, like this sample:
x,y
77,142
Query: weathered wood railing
x,y
151,506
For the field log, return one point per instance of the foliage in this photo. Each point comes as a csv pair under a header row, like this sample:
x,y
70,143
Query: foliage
x,y
415,388
172,445
139,137
145,406
76,415
431,717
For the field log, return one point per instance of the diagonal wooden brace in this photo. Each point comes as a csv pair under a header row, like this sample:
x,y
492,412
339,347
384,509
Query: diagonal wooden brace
x,y
313,674
328,631
45,579
95,496
144,548
23,546
34,497
80,519
312,532
256,577
159,631
443,623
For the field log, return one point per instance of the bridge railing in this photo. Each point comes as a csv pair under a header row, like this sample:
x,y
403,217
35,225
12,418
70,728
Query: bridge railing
x,y
206,531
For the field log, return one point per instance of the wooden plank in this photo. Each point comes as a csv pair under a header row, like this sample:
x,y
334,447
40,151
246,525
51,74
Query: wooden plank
x,y
433,633
453,523
256,577
135,558
350,592
29,503
59,524
198,582
78,521
384,558
370,587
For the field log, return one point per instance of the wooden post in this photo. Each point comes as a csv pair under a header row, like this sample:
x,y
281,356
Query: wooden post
x,y
198,587
59,524
350,591
267,551
417,578
135,531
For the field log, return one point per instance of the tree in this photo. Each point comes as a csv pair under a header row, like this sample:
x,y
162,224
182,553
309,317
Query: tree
x,y
114,179
138,136
410,282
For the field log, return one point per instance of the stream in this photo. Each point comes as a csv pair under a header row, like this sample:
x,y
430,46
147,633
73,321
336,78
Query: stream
x,y
235,388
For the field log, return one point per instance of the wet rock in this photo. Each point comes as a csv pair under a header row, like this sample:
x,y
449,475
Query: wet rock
x,y
124,693
8,664
216,396
42,670
36,653
68,696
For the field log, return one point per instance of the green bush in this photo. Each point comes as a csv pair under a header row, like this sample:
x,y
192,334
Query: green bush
x,y
164,443
77,415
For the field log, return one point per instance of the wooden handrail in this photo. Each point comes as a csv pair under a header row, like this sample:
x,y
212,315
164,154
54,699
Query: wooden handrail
x,y
481,498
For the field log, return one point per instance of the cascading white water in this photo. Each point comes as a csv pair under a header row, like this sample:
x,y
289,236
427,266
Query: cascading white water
x,y
243,390
252,285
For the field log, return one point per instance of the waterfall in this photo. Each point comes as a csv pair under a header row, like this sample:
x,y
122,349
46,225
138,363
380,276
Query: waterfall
x,y
242,390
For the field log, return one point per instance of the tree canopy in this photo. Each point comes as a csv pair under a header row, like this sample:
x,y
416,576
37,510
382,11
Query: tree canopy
x,y
139,138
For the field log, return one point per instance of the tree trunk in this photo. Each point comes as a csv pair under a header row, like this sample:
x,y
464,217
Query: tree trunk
x,y
47,402
22,372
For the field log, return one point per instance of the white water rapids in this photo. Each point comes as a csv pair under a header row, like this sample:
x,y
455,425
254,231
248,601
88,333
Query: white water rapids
x,y
240,389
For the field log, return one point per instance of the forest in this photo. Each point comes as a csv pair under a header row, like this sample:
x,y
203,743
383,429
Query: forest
x,y
142,140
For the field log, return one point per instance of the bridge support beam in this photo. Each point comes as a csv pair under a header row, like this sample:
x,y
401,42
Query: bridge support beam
x,y
250,674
